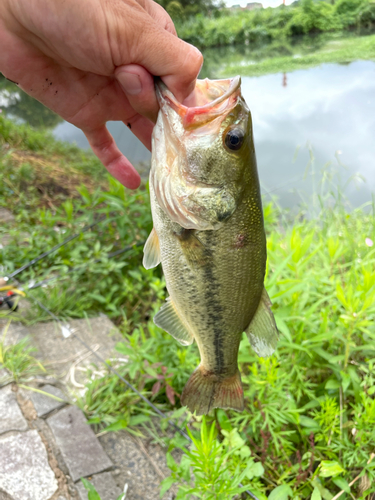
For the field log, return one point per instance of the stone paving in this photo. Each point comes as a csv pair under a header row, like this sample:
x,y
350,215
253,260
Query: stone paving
x,y
46,444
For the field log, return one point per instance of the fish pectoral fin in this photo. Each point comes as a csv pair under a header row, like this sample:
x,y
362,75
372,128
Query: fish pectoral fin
x,y
151,251
262,331
169,320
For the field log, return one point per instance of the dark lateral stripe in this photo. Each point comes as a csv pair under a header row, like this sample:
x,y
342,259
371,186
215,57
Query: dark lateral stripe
x,y
214,310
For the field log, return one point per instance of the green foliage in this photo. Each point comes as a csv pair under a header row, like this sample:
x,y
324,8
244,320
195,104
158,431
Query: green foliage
x,y
93,494
249,27
308,425
366,15
180,10
308,428
207,468
144,355
313,17
24,107
284,57
98,283
42,151
17,359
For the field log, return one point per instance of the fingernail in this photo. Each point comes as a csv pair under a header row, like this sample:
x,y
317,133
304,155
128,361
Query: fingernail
x,y
130,82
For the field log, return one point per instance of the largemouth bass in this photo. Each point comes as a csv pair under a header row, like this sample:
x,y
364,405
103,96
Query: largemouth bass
x,y
209,237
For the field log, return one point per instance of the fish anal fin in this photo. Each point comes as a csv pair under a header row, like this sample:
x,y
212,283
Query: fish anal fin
x,y
151,251
168,319
205,390
262,331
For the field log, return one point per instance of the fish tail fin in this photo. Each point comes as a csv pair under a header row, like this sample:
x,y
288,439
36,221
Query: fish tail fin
x,y
206,390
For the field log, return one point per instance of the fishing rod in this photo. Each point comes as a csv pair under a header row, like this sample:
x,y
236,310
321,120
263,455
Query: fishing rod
x,y
56,247
67,332
32,284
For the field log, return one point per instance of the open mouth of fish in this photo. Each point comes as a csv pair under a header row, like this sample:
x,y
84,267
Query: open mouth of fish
x,y
209,100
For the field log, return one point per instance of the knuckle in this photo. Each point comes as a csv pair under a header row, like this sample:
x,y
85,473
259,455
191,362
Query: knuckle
x,y
193,63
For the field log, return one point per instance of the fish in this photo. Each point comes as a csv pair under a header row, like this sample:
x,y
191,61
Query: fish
x,y
208,234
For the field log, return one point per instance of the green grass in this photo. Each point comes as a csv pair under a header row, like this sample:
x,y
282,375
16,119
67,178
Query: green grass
x,y
46,185
18,360
341,50
284,57
308,428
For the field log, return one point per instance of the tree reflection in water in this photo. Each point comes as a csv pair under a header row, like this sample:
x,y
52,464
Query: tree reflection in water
x,y
15,102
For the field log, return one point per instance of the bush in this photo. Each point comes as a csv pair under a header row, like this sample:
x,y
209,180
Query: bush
x,y
366,15
348,11
244,27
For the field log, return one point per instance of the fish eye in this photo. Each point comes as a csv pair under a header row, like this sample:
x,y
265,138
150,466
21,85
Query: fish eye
x,y
234,139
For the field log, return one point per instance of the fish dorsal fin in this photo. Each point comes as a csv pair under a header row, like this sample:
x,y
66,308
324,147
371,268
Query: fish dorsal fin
x,y
262,331
168,319
151,251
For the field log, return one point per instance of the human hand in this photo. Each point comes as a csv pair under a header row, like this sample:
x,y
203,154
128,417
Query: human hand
x,y
92,61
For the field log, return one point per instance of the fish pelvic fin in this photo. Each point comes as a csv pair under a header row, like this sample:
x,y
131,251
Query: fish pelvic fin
x,y
169,320
262,331
151,251
206,390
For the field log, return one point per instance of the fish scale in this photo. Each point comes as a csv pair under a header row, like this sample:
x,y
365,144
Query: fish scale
x,y
209,237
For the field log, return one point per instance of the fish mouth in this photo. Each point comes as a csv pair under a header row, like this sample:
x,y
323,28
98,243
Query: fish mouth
x,y
209,100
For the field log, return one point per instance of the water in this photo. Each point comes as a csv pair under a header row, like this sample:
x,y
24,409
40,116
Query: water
x,y
329,110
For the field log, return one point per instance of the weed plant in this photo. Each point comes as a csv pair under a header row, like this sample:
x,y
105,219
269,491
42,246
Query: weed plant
x,y
18,359
92,494
50,205
264,25
308,428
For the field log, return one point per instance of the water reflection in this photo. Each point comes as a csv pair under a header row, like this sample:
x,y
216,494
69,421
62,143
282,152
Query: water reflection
x,y
23,107
128,144
331,107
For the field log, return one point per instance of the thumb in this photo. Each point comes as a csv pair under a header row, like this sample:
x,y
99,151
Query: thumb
x,y
177,63
139,87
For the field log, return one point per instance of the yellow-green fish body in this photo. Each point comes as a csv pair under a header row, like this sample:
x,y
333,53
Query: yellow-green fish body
x,y
209,236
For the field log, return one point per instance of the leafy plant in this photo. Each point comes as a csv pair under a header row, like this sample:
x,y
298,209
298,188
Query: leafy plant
x,y
93,494
206,470
307,430
17,359
242,27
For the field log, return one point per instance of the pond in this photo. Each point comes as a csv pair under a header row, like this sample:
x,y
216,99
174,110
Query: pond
x,y
314,128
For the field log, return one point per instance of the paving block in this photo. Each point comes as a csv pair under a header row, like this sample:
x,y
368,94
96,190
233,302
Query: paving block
x,y
81,450
44,404
104,484
137,468
24,470
11,418
61,353
13,332
6,216
4,377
